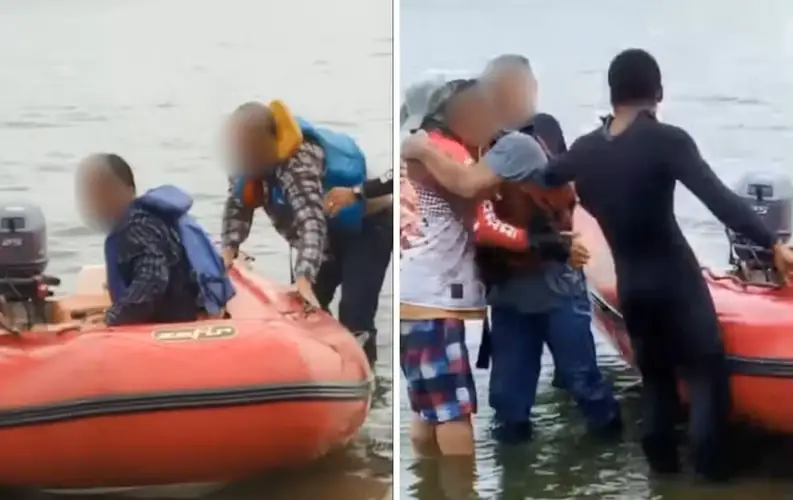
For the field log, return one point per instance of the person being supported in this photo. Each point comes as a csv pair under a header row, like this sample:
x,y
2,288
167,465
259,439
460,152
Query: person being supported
x,y
551,303
161,264
519,240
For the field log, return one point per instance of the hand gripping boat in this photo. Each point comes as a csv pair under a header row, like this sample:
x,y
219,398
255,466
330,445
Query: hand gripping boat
x,y
274,386
755,313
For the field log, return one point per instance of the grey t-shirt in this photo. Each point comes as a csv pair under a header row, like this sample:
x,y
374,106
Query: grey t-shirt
x,y
513,158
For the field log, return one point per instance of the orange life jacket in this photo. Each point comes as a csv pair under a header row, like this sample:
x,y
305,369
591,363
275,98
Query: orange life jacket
x,y
528,207
252,195
289,137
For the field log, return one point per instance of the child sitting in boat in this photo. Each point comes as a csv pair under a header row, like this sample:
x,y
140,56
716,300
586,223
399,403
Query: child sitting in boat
x,y
161,264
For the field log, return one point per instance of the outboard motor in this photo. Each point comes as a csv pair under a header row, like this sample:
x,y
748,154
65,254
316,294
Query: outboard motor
x,y
771,197
23,258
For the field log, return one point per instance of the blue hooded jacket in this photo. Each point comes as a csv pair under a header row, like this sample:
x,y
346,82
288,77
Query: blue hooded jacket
x,y
172,205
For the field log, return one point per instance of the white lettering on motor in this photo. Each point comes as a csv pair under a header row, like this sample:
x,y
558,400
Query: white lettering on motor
x,y
760,209
11,242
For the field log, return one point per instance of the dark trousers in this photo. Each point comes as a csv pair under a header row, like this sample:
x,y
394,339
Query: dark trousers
x,y
517,345
680,341
359,264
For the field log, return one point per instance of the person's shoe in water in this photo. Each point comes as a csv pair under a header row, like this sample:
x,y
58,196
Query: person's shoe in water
x,y
557,382
661,453
512,433
368,341
612,430
712,462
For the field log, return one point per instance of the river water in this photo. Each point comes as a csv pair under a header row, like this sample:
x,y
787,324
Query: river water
x,y
152,80
728,77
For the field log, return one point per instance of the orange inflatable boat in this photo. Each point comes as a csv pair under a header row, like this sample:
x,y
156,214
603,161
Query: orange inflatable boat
x,y
273,386
756,321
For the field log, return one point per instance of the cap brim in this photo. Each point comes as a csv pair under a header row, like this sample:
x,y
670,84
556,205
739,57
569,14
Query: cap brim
x,y
411,123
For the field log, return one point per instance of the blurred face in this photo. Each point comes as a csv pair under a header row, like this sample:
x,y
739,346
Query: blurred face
x,y
471,117
252,148
101,196
514,94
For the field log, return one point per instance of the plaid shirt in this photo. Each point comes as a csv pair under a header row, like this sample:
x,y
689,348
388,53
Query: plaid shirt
x,y
301,221
154,266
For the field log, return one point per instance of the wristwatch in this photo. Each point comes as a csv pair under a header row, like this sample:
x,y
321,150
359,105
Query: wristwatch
x,y
357,191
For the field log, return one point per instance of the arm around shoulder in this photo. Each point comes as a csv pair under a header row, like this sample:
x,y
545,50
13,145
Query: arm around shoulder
x,y
462,178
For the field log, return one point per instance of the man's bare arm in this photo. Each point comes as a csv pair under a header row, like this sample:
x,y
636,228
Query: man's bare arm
x,y
512,158
467,181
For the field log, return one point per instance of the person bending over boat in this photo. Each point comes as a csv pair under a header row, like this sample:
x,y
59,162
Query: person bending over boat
x,y
536,296
161,264
286,165
440,285
625,174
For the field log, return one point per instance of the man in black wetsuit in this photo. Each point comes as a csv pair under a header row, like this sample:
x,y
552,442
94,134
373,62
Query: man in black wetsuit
x,y
625,174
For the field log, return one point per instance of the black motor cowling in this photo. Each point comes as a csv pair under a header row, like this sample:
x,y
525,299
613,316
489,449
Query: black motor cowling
x,y
771,197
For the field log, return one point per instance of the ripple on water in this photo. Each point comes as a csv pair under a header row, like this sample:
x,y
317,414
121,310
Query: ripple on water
x,y
716,99
340,124
70,231
30,124
50,167
12,188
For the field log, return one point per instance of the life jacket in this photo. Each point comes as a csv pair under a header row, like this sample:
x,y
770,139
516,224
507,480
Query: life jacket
x,y
529,207
345,165
172,204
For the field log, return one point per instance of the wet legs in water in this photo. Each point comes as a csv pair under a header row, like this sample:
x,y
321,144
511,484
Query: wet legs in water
x,y
517,344
440,386
706,378
359,264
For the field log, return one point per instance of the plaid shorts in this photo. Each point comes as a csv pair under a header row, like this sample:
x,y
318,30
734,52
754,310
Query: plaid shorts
x,y
434,360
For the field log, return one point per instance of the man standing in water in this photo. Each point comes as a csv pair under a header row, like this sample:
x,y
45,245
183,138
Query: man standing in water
x,y
546,303
440,285
285,167
625,174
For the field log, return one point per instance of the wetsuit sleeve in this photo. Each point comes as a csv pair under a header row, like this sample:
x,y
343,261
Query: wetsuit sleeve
x,y
143,247
693,171
561,169
550,130
380,186
301,179
515,156
237,220
490,231
562,144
